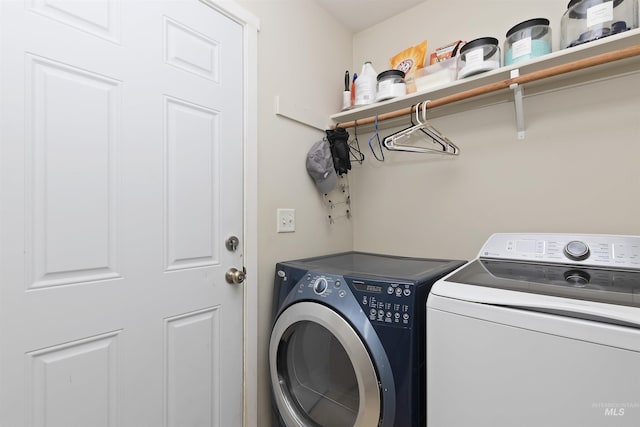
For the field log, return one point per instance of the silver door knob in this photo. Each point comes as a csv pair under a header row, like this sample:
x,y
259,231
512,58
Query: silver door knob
x,y
235,276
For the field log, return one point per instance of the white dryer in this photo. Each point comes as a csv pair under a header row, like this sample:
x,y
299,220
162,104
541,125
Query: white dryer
x,y
538,330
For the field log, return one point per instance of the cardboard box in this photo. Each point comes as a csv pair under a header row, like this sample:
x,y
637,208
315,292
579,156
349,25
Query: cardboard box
x,y
445,52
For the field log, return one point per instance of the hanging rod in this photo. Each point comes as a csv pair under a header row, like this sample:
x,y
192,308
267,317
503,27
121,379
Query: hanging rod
x,y
505,84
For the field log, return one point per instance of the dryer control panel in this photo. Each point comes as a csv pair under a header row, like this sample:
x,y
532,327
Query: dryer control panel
x,y
325,286
390,304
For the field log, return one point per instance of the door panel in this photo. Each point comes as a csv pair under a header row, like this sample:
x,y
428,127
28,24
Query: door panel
x,y
191,51
193,181
101,18
56,400
70,189
193,395
120,179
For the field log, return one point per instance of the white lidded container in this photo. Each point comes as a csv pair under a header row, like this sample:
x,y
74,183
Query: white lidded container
x,y
478,56
366,85
390,85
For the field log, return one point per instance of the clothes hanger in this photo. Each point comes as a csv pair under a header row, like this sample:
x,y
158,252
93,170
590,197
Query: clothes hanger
x,y
436,136
395,140
390,139
423,130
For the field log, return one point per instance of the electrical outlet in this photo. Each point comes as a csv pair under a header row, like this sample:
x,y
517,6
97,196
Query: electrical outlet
x,y
286,221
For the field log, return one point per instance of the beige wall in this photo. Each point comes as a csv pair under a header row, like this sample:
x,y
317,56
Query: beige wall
x,y
576,171
303,53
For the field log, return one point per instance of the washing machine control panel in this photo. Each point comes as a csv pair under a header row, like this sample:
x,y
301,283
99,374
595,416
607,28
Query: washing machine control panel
x,y
597,250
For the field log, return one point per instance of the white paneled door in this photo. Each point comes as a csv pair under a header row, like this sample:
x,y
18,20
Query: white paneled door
x,y
121,179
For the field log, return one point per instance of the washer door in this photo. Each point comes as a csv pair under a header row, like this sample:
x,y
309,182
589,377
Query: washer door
x,y
321,372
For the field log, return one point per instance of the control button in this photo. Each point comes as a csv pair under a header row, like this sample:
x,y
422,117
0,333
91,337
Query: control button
x,y
398,292
397,315
320,285
337,284
364,300
373,311
576,250
390,290
405,316
577,278
388,314
407,292
342,293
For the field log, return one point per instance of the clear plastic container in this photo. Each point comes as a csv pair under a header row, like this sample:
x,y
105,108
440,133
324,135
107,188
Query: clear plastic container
x,y
478,56
436,75
528,39
588,20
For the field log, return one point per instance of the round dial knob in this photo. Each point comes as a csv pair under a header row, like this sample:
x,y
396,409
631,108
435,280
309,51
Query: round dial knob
x,y
576,250
577,278
320,285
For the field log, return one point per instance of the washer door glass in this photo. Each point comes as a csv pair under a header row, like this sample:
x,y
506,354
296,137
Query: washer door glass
x,y
321,372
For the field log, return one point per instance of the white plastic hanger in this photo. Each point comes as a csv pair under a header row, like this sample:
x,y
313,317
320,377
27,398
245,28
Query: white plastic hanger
x,y
439,143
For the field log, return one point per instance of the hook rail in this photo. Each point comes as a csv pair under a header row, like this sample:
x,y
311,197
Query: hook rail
x,y
580,64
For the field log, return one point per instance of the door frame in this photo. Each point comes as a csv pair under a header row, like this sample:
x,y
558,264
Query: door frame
x,y
250,27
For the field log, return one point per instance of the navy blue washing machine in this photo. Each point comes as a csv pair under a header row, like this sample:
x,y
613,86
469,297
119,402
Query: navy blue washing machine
x,y
347,345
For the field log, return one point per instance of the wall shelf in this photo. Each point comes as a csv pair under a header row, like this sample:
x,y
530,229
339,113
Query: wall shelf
x,y
628,42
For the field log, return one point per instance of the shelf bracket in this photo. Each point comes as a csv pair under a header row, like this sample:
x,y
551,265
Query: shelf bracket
x,y
517,98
